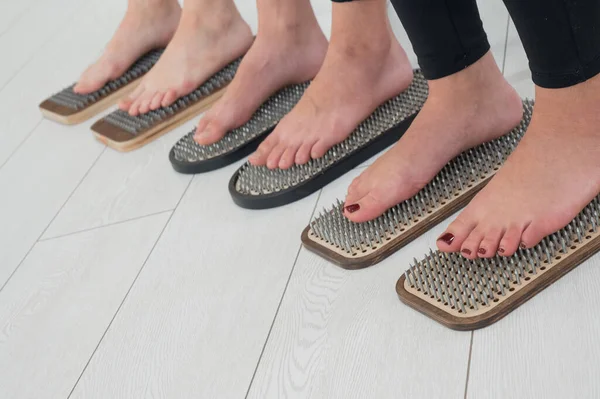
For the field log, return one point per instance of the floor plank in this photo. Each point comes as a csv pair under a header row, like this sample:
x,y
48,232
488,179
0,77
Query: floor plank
x,y
69,52
21,42
548,348
345,333
57,307
12,12
196,320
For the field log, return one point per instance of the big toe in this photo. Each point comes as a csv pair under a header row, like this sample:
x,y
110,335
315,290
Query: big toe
x,y
85,86
263,151
367,203
209,131
96,76
456,234
88,83
356,189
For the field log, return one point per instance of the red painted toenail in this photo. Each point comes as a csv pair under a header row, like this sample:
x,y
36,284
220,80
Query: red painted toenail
x,y
352,208
466,251
448,238
522,246
501,250
481,251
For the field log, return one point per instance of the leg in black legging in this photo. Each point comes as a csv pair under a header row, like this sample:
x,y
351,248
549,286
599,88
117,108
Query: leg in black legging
x,y
364,66
453,38
561,39
555,171
469,103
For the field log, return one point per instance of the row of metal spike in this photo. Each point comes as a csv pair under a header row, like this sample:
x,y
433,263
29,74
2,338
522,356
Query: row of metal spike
x,y
466,285
267,116
459,174
68,98
259,180
144,122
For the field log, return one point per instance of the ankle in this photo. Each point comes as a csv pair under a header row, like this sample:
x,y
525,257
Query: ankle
x,y
358,51
581,98
293,21
164,8
362,22
211,16
478,80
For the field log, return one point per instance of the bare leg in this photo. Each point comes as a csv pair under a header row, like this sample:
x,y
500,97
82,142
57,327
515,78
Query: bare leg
x,y
289,48
211,33
364,66
147,24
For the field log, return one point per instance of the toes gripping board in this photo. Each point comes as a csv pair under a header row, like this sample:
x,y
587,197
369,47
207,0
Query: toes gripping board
x,y
69,108
359,245
189,157
257,187
467,294
124,132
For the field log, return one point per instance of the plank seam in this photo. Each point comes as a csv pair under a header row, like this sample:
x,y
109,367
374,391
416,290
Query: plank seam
x,y
505,42
469,364
106,225
129,290
280,302
27,136
52,220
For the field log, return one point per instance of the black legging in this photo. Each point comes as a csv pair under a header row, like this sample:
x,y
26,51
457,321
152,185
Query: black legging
x,y
561,37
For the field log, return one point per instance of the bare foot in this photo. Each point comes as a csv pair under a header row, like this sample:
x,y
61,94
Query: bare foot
x,y
463,110
275,60
552,175
144,27
331,107
202,45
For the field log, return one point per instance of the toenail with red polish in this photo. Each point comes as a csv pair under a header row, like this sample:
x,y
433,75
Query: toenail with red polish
x,y
501,250
481,251
448,238
466,251
522,245
352,208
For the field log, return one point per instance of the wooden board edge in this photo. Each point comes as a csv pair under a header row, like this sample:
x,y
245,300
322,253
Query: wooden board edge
x,y
67,118
503,309
398,243
160,129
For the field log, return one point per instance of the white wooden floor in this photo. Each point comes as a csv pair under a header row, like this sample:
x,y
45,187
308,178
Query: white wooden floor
x,y
121,279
